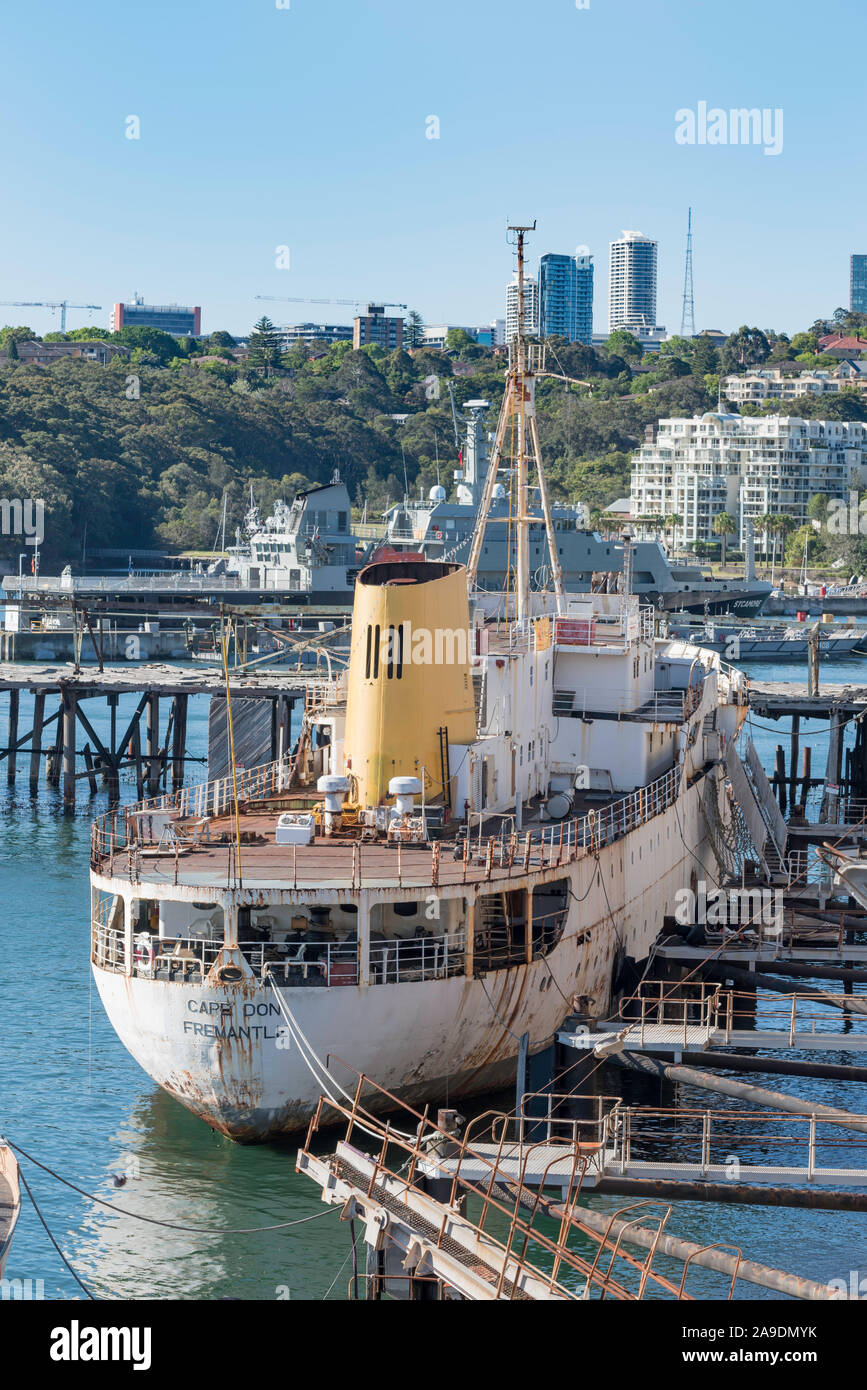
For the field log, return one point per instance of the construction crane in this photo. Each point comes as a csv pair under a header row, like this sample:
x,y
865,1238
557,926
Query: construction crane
x,y
61,304
289,299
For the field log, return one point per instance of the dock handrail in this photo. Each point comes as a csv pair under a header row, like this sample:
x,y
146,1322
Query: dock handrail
x,y
655,1005
433,1147
723,1011
704,1129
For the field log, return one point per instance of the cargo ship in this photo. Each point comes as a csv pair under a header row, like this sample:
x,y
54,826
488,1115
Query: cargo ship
x,y
511,787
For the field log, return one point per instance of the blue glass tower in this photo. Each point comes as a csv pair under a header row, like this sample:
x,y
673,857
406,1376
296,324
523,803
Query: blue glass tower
x,y
566,296
858,284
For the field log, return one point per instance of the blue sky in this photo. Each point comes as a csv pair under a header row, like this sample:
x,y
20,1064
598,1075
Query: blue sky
x,y
305,127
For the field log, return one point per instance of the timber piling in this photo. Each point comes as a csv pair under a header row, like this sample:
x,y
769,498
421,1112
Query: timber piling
x,y
152,756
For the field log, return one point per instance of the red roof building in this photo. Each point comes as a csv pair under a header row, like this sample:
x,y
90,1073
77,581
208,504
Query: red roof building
x,y
838,345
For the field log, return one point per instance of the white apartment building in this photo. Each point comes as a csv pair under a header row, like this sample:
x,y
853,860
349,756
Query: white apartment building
x,y
770,383
632,283
745,465
650,339
531,307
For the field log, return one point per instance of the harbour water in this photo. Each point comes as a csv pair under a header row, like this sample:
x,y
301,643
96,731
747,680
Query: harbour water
x,y
71,1096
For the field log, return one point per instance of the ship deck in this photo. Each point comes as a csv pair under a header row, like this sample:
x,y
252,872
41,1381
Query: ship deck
x,y
188,839
206,856
338,861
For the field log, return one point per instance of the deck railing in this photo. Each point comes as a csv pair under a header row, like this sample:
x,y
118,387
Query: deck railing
x,y
800,1144
180,581
108,947
655,1006
316,962
142,822
116,849
721,1011
400,960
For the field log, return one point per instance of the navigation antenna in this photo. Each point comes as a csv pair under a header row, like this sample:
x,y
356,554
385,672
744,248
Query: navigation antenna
x,y
687,315
627,577
526,363
220,538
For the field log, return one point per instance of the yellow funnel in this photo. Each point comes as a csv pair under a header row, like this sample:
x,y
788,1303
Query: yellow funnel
x,y
409,674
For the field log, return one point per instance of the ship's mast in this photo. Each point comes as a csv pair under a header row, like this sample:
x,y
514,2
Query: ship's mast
x,y
526,362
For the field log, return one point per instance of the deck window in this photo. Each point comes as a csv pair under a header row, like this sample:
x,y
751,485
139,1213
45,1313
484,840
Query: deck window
x,y
408,944
500,939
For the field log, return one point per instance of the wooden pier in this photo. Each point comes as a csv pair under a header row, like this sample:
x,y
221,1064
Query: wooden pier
x,y
147,751
782,699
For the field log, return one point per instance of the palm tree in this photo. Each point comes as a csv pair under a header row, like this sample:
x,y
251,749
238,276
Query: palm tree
x,y
785,526
724,525
646,522
764,524
671,523
773,524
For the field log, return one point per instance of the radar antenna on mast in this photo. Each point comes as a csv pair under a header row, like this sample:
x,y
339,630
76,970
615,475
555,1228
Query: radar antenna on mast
x,y
526,363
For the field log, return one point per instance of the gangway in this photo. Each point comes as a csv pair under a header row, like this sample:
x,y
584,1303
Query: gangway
x,y
656,1020
451,1216
624,1142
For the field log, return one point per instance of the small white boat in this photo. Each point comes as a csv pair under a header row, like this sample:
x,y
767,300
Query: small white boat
x,y
10,1200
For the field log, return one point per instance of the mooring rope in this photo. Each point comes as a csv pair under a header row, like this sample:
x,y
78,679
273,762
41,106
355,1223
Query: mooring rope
x,y
155,1221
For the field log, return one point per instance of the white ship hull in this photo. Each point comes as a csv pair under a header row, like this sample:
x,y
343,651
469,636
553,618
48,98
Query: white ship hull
x,y
222,1050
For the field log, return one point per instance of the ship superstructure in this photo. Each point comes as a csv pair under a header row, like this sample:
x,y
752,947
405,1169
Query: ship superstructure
x,y
507,793
303,548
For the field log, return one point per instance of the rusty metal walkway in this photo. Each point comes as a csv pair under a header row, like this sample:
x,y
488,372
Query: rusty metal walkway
x,y
744,952
609,1140
551,1166
660,1018
448,1247
621,1036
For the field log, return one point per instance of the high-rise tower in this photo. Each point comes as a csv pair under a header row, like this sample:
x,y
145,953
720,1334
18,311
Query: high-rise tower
x,y
632,287
858,284
566,296
531,308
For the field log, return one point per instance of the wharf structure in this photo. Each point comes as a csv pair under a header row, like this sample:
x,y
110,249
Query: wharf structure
x,y
446,1214
264,708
